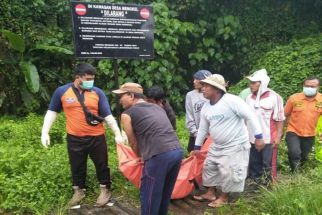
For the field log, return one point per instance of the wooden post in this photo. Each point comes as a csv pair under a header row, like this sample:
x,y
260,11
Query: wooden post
x,y
116,74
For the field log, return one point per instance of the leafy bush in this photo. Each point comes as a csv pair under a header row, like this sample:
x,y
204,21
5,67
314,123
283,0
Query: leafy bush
x,y
37,180
289,65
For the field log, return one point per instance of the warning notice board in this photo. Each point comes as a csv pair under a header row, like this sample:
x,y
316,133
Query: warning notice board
x,y
112,30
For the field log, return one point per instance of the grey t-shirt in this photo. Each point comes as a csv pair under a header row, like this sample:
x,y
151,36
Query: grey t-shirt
x,y
194,102
153,130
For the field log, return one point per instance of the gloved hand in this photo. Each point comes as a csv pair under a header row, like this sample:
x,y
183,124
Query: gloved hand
x,y
48,122
115,128
119,139
45,140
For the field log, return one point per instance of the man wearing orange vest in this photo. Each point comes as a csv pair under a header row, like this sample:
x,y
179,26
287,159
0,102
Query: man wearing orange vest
x,y
85,107
302,111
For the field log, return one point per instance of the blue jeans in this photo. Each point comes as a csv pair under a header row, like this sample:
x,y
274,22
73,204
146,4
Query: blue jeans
x,y
158,180
260,163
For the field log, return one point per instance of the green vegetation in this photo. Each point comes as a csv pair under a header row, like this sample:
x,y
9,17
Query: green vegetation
x,y
233,38
36,180
230,38
289,65
296,194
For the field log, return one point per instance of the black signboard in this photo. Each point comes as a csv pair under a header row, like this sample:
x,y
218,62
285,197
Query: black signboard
x,y
112,30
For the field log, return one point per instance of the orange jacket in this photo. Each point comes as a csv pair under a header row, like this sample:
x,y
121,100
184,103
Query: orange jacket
x,y
303,114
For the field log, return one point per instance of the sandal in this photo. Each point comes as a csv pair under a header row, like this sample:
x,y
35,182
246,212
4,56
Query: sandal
x,y
201,198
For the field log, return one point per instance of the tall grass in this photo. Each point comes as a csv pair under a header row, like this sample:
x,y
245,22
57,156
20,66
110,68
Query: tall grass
x,y
35,180
301,194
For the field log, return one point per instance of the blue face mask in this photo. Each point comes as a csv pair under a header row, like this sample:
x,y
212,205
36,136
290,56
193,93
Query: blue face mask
x,y
87,85
309,91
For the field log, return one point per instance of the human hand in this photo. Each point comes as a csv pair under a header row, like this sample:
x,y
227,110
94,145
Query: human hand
x,y
194,152
276,142
259,144
45,140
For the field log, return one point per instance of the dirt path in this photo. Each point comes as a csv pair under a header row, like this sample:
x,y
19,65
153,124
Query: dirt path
x,y
186,206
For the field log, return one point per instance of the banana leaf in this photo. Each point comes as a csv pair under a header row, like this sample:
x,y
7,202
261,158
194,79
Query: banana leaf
x,y
31,75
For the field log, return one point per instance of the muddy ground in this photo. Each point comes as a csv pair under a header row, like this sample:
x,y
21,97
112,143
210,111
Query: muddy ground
x,y
186,206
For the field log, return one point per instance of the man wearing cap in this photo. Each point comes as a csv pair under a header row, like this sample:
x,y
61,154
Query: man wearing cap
x,y
85,137
223,117
151,136
194,102
303,111
268,107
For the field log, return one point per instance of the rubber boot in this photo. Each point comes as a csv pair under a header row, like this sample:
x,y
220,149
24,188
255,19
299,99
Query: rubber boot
x,y
79,194
104,196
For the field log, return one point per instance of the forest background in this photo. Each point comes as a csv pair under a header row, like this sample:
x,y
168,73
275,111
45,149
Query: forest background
x,y
233,38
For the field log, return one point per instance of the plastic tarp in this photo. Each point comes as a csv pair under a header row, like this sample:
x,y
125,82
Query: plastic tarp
x,y
191,169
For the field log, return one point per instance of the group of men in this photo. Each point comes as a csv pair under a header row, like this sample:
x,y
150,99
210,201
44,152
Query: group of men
x,y
149,124
260,114
149,128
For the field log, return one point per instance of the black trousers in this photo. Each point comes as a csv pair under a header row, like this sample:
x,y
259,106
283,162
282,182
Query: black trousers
x,y
78,150
298,149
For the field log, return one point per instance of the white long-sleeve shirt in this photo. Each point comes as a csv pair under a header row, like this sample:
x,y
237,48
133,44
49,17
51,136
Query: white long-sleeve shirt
x,y
225,122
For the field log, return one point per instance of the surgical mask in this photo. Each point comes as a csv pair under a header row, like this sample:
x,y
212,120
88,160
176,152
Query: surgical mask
x,y
87,85
309,91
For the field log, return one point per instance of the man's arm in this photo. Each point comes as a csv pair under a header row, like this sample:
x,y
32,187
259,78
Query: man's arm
x,y
244,111
127,126
190,121
203,132
54,108
49,119
288,108
278,118
111,122
279,134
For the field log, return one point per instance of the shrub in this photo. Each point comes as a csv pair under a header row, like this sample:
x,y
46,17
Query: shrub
x,y
289,65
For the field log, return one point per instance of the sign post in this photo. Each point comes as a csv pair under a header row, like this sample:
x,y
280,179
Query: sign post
x,y
116,31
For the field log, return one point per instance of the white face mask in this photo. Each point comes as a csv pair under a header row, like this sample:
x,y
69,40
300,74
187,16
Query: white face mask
x,y
309,91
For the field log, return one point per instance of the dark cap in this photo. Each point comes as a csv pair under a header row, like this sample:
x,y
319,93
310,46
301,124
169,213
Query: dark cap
x,y
201,74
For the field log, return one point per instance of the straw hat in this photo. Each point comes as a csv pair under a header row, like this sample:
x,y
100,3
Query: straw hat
x,y
216,80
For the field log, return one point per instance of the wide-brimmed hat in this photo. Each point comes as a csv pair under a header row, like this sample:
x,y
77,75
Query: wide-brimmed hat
x,y
129,88
216,80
